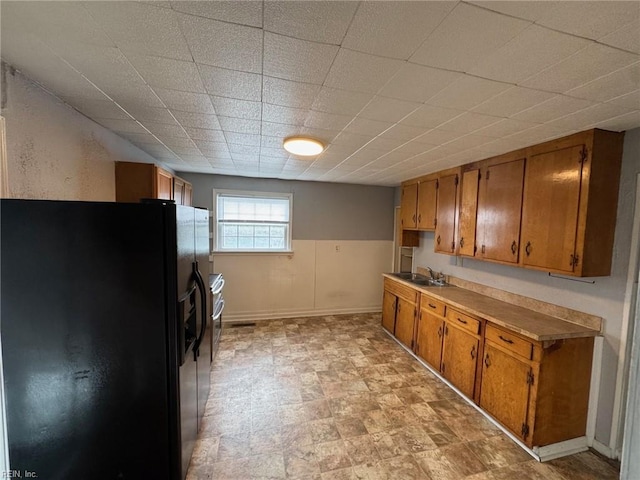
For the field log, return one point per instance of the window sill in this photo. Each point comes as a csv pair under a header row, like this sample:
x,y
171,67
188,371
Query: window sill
x,y
252,252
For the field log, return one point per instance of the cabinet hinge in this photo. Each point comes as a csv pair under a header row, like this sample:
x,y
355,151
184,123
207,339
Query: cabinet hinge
x,y
583,155
437,184
488,173
525,430
412,344
442,367
575,259
415,312
475,249
482,249
456,180
479,175
453,246
530,378
435,222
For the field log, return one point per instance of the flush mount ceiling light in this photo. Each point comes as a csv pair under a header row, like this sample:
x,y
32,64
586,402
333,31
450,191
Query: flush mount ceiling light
x,y
304,146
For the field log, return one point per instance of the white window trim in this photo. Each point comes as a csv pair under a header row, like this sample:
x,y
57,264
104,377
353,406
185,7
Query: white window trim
x,y
248,193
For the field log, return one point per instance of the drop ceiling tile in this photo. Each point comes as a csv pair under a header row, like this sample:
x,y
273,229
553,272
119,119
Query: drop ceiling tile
x,y
471,141
512,101
226,45
300,19
203,134
530,10
164,130
231,83
141,28
385,144
364,126
177,143
403,132
504,128
211,148
613,85
414,148
466,36
297,60
394,29
388,109
586,65
280,130
236,150
589,116
273,153
556,107
239,125
280,114
157,150
287,93
341,102
233,107
243,13
429,116
467,92
437,137
142,113
141,138
626,38
133,93
590,19
97,108
360,72
124,126
197,120
327,120
418,83
469,122
168,73
631,100
185,101
270,142
242,139
351,139
623,122
535,49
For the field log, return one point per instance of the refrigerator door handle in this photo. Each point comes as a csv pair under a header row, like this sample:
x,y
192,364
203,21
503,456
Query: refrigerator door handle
x,y
203,303
219,309
218,286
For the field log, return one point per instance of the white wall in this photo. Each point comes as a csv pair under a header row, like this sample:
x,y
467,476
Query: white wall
x,y
604,298
53,151
317,279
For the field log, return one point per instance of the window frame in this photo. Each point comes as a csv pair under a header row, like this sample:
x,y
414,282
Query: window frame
x,y
216,249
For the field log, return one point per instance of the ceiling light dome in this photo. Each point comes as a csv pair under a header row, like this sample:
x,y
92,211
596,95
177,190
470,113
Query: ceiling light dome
x,y
304,146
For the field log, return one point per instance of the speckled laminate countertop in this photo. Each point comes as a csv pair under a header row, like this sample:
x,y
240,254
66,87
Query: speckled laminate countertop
x,y
529,323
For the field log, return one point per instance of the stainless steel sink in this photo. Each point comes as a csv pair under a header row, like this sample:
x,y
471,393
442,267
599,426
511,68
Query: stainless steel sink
x,y
420,279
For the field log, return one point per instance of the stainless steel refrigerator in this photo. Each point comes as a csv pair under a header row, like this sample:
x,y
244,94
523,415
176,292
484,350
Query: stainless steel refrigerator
x,y
105,339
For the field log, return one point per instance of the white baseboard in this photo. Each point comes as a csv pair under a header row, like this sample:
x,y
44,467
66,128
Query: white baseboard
x,y
602,449
276,314
562,449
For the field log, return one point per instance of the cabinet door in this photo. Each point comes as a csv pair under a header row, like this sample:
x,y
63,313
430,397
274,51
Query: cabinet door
x,y
187,199
178,191
499,210
429,338
446,214
505,389
405,321
460,351
427,205
164,184
550,209
468,212
389,311
408,204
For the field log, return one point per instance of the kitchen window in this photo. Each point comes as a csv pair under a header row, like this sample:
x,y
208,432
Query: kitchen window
x,y
252,221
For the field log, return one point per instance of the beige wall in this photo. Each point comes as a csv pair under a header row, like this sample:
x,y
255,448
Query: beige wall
x,y
54,152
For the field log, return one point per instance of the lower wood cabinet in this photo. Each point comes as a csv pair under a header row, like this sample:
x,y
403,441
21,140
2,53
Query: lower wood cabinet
x,y
399,312
539,391
460,351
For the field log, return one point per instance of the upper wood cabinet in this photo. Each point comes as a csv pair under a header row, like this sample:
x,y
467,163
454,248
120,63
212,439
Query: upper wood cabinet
x,y
135,181
408,206
468,212
427,198
446,213
570,202
499,209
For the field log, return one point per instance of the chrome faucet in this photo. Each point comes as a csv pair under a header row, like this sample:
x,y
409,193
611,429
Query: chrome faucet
x,y
434,275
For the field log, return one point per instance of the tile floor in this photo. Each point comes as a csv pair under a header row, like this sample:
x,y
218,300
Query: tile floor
x,y
336,398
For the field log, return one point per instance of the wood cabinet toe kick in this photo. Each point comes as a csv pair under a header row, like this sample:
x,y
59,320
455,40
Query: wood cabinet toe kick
x,y
530,372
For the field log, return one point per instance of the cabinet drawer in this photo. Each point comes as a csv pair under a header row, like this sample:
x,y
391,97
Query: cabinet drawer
x,y
400,290
463,321
511,342
432,305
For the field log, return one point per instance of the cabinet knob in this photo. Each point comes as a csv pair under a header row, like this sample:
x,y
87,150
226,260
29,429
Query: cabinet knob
x,y
473,352
461,242
486,360
438,240
414,217
420,218
514,247
527,249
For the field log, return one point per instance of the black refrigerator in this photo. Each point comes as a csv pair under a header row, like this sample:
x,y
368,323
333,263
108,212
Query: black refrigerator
x,y
106,348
